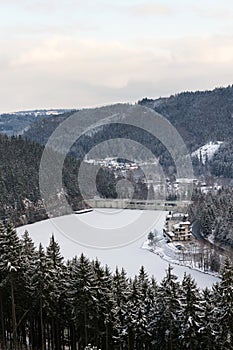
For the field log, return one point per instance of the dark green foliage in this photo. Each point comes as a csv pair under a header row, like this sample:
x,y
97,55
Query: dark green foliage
x,y
222,162
200,116
41,131
13,123
48,125
46,303
191,311
223,294
20,199
168,310
151,237
214,211
106,183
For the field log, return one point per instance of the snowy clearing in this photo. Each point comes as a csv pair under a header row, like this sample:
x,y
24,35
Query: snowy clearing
x,y
207,151
106,222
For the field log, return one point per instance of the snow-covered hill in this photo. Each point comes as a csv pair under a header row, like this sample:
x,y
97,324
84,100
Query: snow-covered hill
x,y
41,112
100,226
207,151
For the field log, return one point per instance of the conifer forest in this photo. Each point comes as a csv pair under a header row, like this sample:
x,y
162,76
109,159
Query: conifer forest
x,y
49,303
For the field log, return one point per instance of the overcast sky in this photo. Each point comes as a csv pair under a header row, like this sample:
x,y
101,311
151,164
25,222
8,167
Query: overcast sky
x,y
81,53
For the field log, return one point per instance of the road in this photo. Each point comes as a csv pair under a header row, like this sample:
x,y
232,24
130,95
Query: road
x,y
196,231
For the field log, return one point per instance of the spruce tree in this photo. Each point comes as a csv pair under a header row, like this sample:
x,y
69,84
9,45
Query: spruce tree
x,y
168,312
28,301
120,290
208,329
10,267
83,298
190,314
104,306
224,306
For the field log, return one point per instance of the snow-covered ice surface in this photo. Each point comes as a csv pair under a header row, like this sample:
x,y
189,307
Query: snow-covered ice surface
x,y
207,151
131,256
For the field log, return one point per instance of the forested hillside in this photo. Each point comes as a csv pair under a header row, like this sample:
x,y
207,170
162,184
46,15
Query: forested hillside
x,y
46,303
200,116
214,211
16,123
222,162
20,199
19,186
42,130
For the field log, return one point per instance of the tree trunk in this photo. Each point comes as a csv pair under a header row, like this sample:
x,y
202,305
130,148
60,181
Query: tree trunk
x,y
42,325
73,337
14,323
106,331
3,336
85,325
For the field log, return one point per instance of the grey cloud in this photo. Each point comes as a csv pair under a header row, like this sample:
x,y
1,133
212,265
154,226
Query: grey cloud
x,y
90,73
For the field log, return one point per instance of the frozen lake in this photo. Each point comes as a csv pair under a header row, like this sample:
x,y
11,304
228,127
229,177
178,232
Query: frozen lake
x,y
113,236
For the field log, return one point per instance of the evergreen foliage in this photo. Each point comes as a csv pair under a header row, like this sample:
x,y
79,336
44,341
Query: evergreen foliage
x,y
222,162
200,116
214,211
48,303
41,131
20,199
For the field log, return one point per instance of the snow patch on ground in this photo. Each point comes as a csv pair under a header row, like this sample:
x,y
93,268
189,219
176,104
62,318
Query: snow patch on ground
x,y
177,253
207,151
131,257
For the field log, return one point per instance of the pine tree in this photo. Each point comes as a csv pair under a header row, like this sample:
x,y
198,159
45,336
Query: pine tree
x,y
168,312
104,306
223,294
10,267
146,300
28,268
152,313
83,296
3,282
134,314
151,238
54,255
56,290
208,329
40,285
190,314
120,290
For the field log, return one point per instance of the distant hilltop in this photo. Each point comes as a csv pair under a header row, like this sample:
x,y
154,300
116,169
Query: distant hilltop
x,y
16,123
40,112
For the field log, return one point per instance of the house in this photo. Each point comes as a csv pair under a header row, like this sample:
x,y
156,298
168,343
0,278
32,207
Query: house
x,y
177,227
